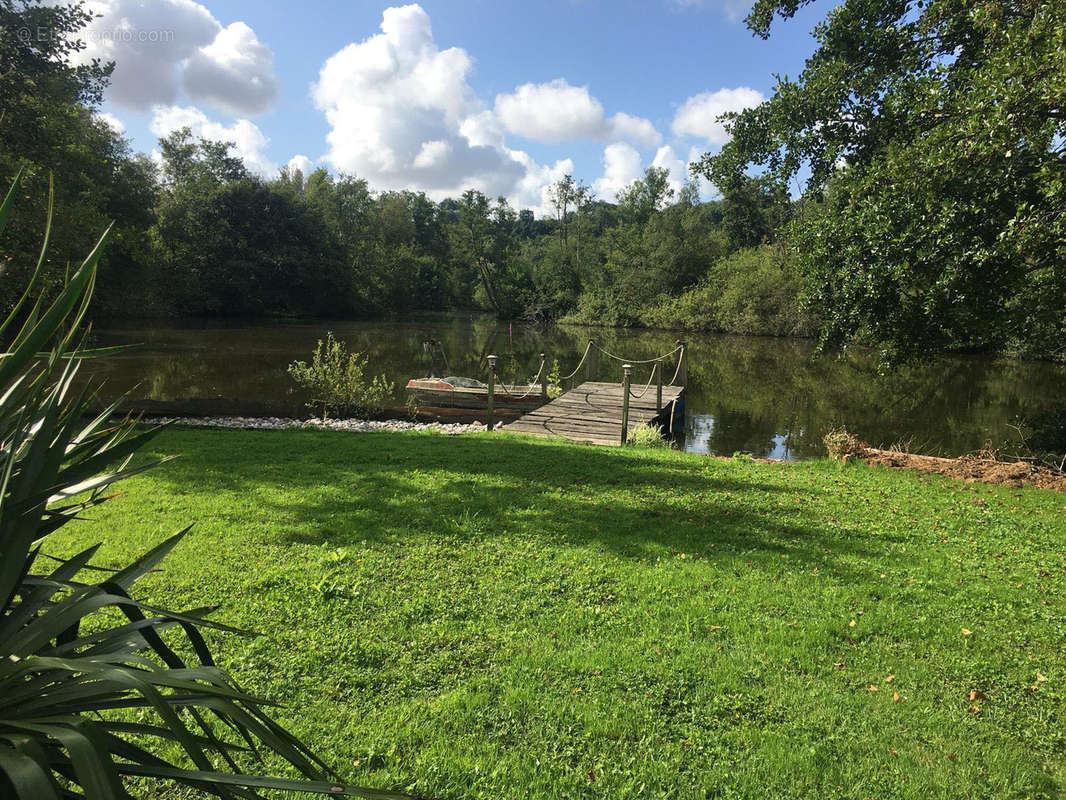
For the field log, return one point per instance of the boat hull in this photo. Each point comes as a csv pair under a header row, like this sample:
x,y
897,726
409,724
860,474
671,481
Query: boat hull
x,y
437,393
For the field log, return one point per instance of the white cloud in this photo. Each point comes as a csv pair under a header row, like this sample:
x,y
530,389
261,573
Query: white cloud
x,y
235,73
637,130
302,164
698,116
111,121
402,115
164,46
557,112
248,141
621,166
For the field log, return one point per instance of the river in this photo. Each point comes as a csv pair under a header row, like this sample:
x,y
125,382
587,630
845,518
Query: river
x,y
768,397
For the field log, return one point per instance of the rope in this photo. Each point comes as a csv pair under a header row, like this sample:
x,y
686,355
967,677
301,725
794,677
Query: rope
x,y
579,363
677,371
535,383
635,361
648,386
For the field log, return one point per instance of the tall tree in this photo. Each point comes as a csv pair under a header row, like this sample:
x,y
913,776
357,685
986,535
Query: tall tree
x,y
934,131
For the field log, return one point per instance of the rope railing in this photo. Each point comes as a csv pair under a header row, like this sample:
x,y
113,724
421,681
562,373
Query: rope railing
x,y
579,363
533,384
627,369
647,386
663,357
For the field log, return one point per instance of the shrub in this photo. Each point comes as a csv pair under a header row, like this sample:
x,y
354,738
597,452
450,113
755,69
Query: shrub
x,y
91,695
843,445
647,436
336,380
754,291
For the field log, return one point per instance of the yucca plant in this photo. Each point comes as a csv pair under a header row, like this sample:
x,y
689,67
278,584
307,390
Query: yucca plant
x,y
93,702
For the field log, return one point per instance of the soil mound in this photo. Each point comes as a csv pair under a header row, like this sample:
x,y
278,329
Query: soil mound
x,y
975,467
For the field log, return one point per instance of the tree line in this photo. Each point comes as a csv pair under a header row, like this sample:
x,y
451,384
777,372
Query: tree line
x,y
933,217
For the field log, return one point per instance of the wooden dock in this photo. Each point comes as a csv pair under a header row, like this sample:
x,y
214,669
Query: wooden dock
x,y
592,412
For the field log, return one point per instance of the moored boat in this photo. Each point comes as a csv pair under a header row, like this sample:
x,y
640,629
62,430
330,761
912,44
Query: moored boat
x,y
457,392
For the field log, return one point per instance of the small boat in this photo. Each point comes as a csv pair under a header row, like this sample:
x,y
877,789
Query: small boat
x,y
457,392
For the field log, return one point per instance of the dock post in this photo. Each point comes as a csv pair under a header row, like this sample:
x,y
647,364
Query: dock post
x,y
492,391
682,368
543,378
627,370
658,387
592,368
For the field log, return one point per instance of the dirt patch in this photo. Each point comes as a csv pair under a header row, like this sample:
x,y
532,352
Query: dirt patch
x,y
974,468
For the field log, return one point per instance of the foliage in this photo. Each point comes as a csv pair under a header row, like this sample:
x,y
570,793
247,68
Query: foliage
x,y
336,380
555,381
48,128
648,437
233,246
752,291
515,600
936,207
96,690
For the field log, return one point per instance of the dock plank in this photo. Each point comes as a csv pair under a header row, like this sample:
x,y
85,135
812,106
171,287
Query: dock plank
x,y
592,413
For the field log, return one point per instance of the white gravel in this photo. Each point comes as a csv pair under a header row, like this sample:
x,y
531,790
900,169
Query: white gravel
x,y
350,425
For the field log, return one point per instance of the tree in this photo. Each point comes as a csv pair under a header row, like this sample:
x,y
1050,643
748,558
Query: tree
x,y
485,236
644,196
49,133
934,132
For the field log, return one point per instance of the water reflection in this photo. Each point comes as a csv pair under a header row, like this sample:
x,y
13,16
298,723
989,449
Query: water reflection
x,y
768,397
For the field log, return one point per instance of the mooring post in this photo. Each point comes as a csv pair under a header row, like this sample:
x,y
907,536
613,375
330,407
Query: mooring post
x,y
492,391
627,370
543,378
658,388
682,361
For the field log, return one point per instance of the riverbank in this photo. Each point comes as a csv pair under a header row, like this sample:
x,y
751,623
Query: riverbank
x,y
492,615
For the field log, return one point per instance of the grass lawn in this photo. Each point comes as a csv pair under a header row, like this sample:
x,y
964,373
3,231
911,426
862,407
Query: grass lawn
x,y
501,617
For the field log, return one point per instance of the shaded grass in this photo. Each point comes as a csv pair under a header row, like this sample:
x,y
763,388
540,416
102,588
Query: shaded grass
x,y
495,616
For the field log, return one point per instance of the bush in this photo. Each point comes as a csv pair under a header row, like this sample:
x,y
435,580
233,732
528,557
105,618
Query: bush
x,y
336,380
754,291
843,445
647,436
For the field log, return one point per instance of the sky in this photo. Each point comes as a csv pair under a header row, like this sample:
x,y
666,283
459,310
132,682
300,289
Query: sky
x,y
500,96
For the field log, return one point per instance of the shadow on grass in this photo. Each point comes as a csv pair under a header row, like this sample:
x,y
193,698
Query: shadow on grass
x,y
396,489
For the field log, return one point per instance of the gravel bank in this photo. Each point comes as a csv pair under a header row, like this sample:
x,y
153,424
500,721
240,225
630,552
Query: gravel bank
x,y
350,425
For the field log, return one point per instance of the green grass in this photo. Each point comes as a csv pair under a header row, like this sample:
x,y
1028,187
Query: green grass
x,y
502,617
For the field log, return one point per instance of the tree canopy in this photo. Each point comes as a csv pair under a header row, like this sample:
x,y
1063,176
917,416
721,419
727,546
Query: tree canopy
x,y
933,132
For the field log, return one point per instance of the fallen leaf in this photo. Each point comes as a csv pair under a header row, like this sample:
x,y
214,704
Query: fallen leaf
x,y
966,632
894,752
975,709
838,664
895,697
873,687
977,695
851,624
1040,678
890,678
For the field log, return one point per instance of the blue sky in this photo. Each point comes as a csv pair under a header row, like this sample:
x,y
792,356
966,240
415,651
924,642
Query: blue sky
x,y
441,96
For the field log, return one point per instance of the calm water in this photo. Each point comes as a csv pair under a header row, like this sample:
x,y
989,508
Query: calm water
x,y
768,397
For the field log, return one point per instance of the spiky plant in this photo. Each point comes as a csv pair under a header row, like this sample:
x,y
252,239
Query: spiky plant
x,y
93,702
